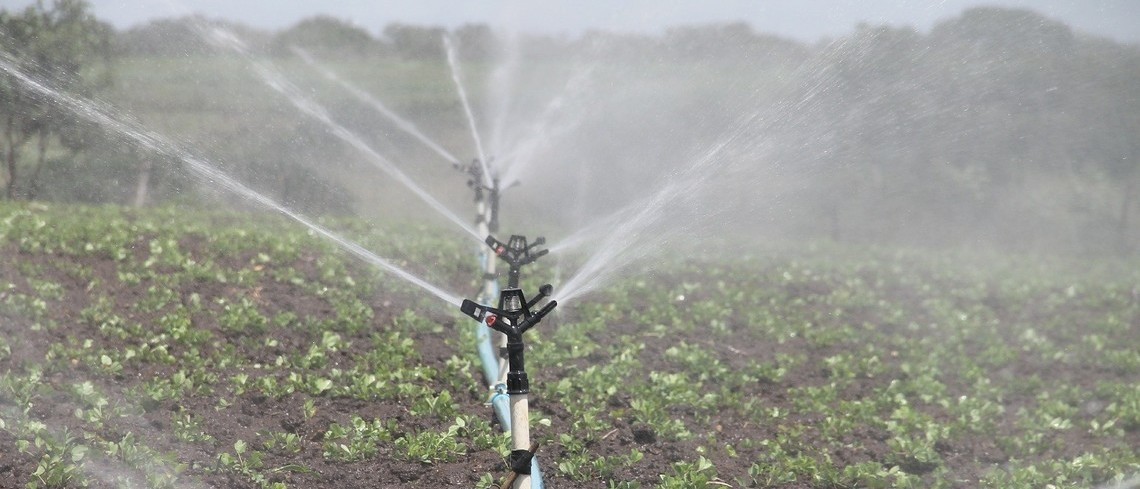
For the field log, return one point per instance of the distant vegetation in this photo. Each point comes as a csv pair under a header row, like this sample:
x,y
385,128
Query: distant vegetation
x,y
998,127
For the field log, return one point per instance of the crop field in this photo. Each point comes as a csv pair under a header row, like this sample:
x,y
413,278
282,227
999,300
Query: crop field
x,y
174,348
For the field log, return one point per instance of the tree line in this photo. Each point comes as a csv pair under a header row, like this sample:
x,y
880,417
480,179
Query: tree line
x,y
999,125
1000,122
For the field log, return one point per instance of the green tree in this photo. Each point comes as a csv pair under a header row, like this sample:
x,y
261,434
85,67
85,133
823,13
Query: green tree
x,y
715,41
477,41
414,42
326,35
183,37
68,48
863,119
1108,135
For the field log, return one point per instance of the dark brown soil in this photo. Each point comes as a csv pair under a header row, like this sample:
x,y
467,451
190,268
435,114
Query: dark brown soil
x,y
968,458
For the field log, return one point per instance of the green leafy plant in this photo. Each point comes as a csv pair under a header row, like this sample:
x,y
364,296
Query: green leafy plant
x,y
429,447
690,474
357,441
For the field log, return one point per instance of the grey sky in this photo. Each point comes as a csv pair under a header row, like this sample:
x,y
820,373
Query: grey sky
x,y
807,20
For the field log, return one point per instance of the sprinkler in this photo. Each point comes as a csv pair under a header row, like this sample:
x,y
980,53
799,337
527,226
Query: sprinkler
x,y
516,253
487,222
511,319
514,317
486,198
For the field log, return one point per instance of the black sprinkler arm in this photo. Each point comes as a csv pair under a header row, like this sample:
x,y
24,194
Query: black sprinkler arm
x,y
537,317
474,310
543,292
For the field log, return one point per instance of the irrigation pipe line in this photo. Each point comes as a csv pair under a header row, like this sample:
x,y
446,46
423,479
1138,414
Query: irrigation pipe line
x,y
487,223
512,318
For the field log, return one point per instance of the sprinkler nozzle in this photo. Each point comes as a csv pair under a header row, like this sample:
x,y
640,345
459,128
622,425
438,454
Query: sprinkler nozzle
x,y
473,309
543,292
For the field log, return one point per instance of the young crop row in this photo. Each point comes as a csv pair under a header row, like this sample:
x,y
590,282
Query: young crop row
x,y
129,340
149,349
886,370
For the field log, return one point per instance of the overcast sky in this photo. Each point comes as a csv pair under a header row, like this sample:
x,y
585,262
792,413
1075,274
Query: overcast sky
x,y
807,20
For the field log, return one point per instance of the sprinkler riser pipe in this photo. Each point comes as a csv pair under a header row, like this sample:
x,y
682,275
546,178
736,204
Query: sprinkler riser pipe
x,y
513,317
493,222
520,439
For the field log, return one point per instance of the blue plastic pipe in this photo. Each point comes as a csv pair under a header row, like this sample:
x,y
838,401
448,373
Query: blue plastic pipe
x,y
486,353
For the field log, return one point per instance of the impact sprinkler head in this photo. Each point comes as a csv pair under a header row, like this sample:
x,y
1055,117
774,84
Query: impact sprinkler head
x,y
513,317
475,170
516,252
486,190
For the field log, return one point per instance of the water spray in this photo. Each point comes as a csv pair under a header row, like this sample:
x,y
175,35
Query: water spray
x,y
106,117
513,317
400,122
272,77
457,78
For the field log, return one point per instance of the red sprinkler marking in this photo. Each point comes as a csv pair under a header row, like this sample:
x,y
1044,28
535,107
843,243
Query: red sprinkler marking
x,y
491,318
500,250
